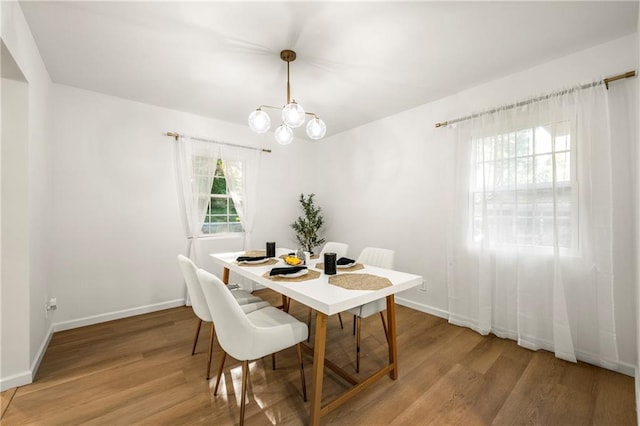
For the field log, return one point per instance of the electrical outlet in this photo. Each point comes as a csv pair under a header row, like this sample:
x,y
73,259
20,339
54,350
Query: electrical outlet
x,y
51,305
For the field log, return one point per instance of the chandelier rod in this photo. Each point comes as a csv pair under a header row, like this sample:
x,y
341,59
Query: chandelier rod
x,y
288,86
288,56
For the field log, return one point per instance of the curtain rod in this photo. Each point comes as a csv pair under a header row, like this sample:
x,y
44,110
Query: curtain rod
x,y
605,81
176,136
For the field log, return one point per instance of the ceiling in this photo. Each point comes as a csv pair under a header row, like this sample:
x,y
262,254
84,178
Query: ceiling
x,y
357,61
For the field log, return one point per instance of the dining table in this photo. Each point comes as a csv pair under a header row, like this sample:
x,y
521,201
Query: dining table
x,y
320,292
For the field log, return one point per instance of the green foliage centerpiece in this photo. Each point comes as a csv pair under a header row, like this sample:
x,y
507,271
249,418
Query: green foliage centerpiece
x,y
307,227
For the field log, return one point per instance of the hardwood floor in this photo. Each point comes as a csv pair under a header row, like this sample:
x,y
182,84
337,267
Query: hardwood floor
x,y
140,370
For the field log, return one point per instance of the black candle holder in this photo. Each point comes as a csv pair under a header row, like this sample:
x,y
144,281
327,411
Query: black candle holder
x,y
271,249
330,263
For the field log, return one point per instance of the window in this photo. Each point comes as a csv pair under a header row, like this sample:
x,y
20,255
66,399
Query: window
x,y
521,182
221,214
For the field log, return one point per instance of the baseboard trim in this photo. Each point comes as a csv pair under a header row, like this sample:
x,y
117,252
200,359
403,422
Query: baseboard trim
x,y
422,307
35,364
619,366
27,377
15,381
110,316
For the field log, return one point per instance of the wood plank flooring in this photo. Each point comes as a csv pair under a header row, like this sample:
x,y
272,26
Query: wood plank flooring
x,y
140,370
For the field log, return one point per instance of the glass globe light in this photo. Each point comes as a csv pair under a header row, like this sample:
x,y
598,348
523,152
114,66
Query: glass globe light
x,y
293,115
316,128
284,134
259,121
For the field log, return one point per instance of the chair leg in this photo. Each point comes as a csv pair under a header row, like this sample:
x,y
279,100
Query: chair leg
x,y
211,338
195,340
215,389
243,398
358,321
384,325
273,361
304,386
340,318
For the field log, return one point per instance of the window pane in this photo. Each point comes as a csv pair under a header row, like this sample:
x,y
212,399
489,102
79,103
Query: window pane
x,y
506,171
219,205
543,139
487,175
509,145
219,170
563,136
219,218
477,150
488,149
219,186
544,169
524,142
524,172
563,167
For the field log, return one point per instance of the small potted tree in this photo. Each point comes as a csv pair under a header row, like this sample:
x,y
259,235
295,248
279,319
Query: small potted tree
x,y
307,227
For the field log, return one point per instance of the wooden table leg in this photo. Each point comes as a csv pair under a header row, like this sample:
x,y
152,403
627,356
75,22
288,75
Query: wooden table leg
x,y
318,367
225,275
393,344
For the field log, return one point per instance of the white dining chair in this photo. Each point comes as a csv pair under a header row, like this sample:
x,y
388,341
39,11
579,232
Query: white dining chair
x,y
199,304
382,258
340,249
249,336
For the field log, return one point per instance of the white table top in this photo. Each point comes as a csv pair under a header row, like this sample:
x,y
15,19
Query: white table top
x,y
318,293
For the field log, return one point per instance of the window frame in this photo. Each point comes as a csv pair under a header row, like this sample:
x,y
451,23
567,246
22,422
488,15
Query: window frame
x,y
476,189
230,206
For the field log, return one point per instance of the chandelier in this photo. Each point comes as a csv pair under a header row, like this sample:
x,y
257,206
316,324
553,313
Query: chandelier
x,y
293,115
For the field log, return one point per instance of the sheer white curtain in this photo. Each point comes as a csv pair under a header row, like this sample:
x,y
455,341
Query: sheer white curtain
x,y
195,167
530,255
241,168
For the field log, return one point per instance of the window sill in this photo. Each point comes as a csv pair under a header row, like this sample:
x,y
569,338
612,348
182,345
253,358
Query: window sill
x,y
224,235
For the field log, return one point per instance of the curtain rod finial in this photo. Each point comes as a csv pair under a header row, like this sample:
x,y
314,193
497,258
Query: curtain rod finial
x,y
173,135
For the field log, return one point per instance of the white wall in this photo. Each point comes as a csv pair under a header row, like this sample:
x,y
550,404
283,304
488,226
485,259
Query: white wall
x,y
15,227
389,183
26,310
118,228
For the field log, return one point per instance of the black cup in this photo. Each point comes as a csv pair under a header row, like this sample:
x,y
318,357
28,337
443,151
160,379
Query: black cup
x,y
330,263
271,249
